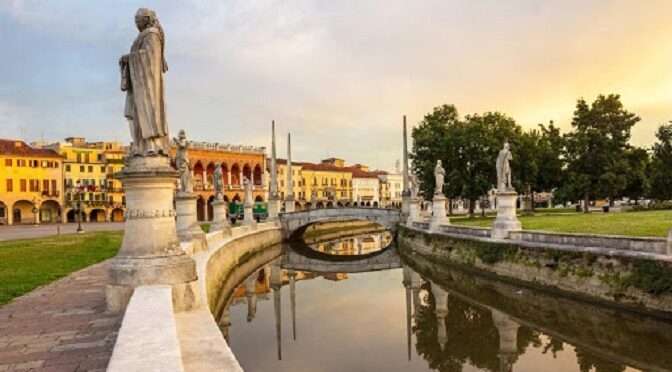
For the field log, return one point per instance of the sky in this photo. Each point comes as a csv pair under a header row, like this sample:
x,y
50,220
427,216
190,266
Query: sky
x,y
340,74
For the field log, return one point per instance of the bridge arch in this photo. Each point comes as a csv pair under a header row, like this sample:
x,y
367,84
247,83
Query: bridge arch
x,y
295,223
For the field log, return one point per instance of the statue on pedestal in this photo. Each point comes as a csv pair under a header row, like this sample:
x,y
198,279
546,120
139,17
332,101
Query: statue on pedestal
x,y
504,169
182,163
142,79
247,188
439,174
415,186
218,179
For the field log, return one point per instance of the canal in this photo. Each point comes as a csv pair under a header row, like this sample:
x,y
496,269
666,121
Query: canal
x,y
344,302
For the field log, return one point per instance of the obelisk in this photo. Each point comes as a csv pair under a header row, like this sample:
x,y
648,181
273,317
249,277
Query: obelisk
x,y
289,194
273,198
405,190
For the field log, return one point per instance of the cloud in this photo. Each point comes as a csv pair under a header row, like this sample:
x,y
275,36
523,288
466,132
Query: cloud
x,y
338,74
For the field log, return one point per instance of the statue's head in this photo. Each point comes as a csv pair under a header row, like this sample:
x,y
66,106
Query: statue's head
x,y
506,145
144,18
181,135
438,162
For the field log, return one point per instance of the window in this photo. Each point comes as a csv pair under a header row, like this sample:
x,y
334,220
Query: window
x,y
99,157
10,185
102,169
79,157
55,164
90,168
87,158
81,169
8,162
53,186
45,185
23,185
21,162
34,185
67,167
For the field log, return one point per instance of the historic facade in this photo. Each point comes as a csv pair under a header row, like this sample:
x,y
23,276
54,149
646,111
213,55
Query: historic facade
x,y
31,187
237,162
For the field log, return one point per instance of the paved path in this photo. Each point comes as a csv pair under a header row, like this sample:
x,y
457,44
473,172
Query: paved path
x,y
30,231
60,327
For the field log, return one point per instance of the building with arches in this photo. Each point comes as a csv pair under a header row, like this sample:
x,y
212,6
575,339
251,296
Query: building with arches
x,y
237,162
31,187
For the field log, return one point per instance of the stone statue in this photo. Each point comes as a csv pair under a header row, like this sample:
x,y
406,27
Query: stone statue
x,y
415,186
247,189
142,79
504,169
182,162
439,174
218,179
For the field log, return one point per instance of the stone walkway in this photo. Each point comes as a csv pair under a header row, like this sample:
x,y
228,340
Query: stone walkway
x,y
60,327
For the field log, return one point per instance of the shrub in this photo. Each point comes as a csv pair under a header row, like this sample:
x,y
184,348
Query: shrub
x,y
651,277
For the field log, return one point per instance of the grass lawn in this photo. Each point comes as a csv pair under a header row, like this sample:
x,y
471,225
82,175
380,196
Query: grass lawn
x,y
29,263
649,223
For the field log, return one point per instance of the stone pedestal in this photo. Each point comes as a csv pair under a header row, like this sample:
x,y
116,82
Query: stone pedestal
x,y
506,215
405,206
438,213
414,211
273,208
219,219
289,205
188,229
150,252
441,311
248,215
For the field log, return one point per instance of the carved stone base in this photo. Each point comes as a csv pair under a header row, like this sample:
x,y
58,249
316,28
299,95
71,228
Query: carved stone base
x,y
414,211
506,215
188,229
248,215
273,208
150,252
438,213
289,205
219,220
405,206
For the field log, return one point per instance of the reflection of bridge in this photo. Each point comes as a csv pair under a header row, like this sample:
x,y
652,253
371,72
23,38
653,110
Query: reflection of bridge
x,y
295,223
302,258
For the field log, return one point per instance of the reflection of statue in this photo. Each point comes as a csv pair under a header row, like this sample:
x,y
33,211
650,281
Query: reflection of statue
x,y
219,183
142,79
182,162
439,174
504,169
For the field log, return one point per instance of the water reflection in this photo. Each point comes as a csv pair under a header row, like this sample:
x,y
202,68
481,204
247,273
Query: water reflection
x,y
446,320
359,244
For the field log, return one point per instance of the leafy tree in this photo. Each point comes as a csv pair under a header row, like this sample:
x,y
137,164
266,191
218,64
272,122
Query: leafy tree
x,y
596,148
550,161
661,164
637,179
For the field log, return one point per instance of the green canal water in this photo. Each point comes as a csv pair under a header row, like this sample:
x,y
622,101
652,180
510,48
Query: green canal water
x,y
409,314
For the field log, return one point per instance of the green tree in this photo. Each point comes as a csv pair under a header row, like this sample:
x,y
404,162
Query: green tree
x,y
637,179
550,161
661,164
596,148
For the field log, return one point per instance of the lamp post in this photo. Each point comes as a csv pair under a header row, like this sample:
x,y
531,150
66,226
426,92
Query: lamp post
x,y
77,203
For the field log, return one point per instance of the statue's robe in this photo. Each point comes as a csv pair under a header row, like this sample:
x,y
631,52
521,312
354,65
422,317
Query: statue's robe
x,y
145,100
503,168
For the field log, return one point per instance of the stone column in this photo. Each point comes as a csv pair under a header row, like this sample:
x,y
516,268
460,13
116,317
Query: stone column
x,y
240,177
438,213
220,221
150,252
248,213
405,191
406,281
508,339
251,295
289,198
276,286
273,198
188,229
414,211
64,216
441,311
292,298
204,176
506,215
228,175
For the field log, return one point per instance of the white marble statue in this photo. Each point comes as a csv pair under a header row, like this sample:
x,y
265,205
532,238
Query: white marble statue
x,y
247,188
504,169
218,180
182,162
142,79
415,186
439,174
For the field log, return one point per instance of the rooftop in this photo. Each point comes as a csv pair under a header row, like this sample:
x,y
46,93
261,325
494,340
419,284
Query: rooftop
x,y
20,148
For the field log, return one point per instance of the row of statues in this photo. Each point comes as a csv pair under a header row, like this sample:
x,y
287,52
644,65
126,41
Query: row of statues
x,y
503,172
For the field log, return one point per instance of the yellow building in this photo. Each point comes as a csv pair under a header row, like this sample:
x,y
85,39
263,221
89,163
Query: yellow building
x,y
87,177
31,184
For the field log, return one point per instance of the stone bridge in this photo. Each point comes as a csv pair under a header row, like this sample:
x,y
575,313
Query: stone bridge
x,y
310,260
295,223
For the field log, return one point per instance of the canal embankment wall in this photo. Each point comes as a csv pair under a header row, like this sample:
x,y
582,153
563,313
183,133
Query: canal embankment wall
x,y
630,272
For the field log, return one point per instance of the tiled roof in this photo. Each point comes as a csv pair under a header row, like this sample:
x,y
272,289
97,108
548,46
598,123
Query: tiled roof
x,y
20,148
358,173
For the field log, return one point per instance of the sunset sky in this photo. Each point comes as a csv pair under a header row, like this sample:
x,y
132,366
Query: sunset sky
x,y
338,74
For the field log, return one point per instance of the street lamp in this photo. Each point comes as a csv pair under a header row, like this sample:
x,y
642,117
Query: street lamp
x,y
77,203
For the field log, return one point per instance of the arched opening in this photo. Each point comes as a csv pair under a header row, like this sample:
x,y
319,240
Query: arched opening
x,y
72,215
354,204
257,175
200,209
368,204
330,205
198,175
375,204
97,215
210,212
50,211
225,174
4,214
339,204
320,205
209,174
22,212
117,215
247,172
297,206
347,204
236,198
308,205
235,174
226,198
258,199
